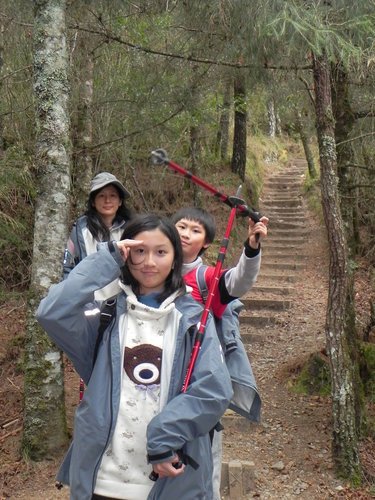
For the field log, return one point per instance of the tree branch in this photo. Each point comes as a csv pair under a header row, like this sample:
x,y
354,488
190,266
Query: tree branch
x,y
8,75
190,58
364,114
131,134
355,138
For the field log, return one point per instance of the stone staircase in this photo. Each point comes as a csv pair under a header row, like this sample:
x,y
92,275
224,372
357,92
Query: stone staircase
x,y
266,305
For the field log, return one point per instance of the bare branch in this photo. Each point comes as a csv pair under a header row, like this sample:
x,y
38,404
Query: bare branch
x,y
8,75
355,138
190,58
135,132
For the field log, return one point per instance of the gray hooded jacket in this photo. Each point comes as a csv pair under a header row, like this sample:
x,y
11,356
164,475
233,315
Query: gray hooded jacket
x,y
68,316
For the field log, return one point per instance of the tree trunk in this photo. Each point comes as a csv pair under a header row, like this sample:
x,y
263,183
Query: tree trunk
x,y
340,314
238,164
271,118
195,139
45,430
2,145
306,146
83,164
345,120
223,133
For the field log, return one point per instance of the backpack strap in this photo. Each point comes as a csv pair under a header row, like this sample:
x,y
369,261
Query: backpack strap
x,y
201,280
107,314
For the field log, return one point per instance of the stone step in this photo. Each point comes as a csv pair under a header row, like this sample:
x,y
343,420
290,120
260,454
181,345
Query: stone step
x,y
266,278
288,232
282,185
286,211
272,290
280,224
272,246
283,254
273,193
282,203
288,217
254,319
294,266
254,304
285,240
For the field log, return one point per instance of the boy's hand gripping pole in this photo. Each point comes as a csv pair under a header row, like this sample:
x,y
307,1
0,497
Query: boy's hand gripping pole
x,y
235,203
160,157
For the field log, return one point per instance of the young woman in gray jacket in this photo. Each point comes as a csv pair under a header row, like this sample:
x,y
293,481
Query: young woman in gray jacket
x,y
134,419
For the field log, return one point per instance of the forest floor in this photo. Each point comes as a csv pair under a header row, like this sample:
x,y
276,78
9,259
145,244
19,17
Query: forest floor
x,y
289,451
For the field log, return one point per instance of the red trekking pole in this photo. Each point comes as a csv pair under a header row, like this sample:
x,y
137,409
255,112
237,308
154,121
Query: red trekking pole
x,y
159,157
235,202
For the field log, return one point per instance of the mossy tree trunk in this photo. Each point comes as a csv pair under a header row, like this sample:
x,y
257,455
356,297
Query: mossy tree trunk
x,y
44,415
238,164
344,123
340,314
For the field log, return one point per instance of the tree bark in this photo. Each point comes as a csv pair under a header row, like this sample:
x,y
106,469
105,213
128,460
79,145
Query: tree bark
x,y
306,146
271,118
2,145
223,133
83,138
45,430
340,314
238,164
345,120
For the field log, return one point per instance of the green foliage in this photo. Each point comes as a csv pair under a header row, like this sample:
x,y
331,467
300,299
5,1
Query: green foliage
x,y
336,28
367,369
17,193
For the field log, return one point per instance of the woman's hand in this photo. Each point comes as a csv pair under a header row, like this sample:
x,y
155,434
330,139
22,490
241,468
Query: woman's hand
x,y
257,231
124,247
168,468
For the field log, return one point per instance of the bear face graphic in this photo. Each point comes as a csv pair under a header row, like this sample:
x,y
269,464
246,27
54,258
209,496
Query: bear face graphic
x,y
142,364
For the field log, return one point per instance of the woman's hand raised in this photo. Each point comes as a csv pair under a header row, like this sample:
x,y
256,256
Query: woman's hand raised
x,y
124,247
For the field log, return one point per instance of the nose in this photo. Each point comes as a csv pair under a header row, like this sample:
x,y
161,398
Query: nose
x,y
149,259
184,233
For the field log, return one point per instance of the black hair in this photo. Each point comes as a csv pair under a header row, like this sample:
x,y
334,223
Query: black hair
x,y
95,223
198,215
149,222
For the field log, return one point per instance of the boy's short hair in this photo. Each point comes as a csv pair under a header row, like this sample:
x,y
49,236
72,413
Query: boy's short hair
x,y
198,215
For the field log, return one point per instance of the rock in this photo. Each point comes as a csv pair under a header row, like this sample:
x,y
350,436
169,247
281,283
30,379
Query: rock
x,y
278,466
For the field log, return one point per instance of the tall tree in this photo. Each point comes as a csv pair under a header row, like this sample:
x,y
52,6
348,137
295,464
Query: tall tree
x,y
44,419
83,131
222,137
239,155
344,124
340,314
320,28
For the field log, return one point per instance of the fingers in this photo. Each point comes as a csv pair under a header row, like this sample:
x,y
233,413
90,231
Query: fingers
x,y
166,469
125,245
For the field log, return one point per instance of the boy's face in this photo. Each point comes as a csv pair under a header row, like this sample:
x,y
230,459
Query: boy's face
x,y
193,238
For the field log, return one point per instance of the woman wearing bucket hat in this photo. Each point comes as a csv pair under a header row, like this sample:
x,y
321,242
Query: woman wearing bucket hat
x,y
104,220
